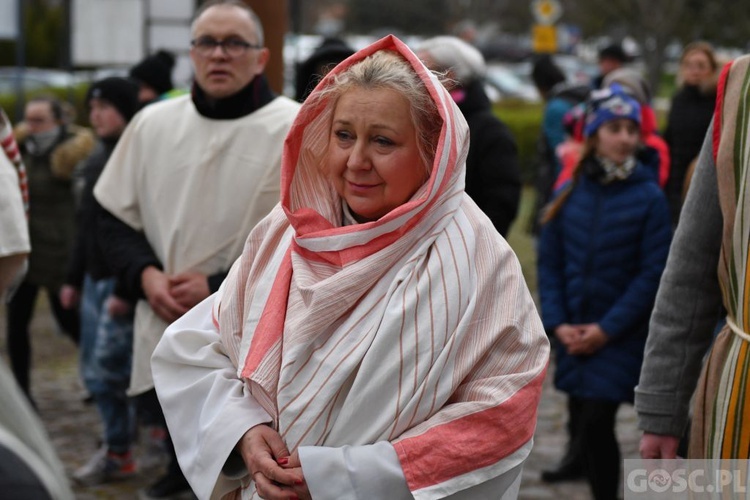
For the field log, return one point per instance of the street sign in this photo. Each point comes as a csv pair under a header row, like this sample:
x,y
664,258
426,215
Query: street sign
x,y
546,12
544,38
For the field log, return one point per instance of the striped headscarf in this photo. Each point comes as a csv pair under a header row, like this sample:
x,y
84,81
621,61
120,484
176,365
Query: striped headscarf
x,y
417,328
10,148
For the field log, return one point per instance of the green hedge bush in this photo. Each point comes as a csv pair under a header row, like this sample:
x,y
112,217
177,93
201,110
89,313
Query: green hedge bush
x,y
75,96
524,121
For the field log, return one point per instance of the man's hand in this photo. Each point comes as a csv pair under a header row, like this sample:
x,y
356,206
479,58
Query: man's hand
x,y
658,446
118,307
70,296
265,454
188,289
157,289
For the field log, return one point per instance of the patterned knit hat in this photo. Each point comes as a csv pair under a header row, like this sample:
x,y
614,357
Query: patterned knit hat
x,y
610,104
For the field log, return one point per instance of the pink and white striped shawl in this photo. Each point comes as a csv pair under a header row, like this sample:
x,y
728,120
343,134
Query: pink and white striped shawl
x,y
417,328
10,148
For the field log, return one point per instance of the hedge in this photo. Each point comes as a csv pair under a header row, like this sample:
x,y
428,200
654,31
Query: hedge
x,y
524,121
75,96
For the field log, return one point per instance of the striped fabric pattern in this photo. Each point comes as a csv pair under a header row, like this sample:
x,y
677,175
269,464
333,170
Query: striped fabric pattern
x,y
417,328
724,405
10,147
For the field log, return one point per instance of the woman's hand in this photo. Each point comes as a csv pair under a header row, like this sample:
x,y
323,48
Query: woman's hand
x,y
264,453
591,339
300,489
567,334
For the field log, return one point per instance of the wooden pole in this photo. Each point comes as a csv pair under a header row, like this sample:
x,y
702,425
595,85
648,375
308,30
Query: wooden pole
x,y
273,15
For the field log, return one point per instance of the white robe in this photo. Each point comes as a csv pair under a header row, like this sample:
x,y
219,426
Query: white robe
x,y
195,187
21,431
196,361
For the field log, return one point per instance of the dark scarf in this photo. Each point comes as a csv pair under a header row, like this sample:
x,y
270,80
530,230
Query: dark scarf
x,y
254,96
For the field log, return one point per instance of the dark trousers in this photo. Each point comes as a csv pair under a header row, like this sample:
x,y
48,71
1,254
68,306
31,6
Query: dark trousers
x,y
20,311
573,458
149,410
595,422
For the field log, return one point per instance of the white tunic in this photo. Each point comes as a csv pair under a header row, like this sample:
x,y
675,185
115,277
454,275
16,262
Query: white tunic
x,y
196,187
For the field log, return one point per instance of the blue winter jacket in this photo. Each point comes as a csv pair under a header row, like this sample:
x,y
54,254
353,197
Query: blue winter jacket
x,y
600,260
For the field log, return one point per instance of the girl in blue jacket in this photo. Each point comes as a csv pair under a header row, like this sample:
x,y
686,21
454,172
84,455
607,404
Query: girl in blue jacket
x,y
602,249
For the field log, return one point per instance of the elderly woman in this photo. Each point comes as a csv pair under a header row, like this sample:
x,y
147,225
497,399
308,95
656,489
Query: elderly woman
x,y
376,339
493,176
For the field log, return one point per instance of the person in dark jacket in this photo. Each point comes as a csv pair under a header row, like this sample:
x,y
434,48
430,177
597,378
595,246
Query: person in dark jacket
x,y
328,54
154,76
689,116
560,97
493,178
106,316
51,148
610,58
602,250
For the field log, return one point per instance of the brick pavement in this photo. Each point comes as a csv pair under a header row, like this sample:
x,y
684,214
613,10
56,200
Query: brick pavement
x,y
74,427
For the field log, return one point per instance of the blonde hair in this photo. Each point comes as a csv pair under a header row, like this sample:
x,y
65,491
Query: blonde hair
x,y
387,69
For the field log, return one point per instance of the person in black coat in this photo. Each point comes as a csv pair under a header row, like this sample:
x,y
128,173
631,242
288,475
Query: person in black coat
x,y
328,54
689,117
106,313
493,177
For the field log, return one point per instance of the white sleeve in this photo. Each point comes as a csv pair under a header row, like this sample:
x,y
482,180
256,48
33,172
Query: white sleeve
x,y
374,471
206,405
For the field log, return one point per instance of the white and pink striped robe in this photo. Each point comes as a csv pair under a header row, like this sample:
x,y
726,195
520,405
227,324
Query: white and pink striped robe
x,y
402,357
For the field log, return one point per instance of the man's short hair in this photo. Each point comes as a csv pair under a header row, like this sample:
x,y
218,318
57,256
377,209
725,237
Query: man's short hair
x,y
55,106
615,52
235,3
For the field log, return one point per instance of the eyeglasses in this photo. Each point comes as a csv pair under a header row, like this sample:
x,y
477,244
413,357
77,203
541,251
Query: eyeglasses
x,y
232,47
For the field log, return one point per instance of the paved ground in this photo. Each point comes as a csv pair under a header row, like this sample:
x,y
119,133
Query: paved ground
x,y
74,427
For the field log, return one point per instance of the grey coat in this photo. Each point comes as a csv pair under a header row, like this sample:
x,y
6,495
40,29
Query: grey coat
x,y
687,307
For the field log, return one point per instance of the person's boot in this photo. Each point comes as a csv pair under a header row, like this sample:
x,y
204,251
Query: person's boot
x,y
569,469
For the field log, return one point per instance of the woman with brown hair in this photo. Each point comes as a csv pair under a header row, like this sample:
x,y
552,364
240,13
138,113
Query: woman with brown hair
x,y
689,116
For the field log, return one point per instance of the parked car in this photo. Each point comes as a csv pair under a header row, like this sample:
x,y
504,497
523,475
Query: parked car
x,y
35,79
505,82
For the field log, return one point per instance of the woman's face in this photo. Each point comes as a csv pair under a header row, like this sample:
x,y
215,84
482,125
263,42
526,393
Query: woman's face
x,y
696,68
373,158
617,139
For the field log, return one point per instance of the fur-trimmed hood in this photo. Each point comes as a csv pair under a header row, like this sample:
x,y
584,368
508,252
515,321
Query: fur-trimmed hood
x,y
76,145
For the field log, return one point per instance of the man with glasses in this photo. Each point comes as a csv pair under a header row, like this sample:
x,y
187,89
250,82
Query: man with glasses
x,y
188,180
